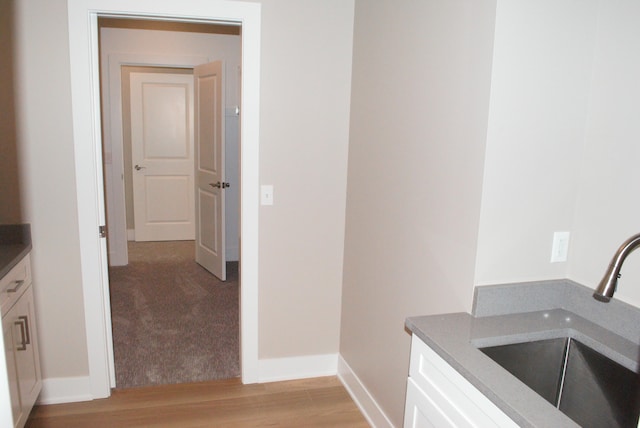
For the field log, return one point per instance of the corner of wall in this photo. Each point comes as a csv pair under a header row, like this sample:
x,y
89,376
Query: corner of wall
x,y
361,396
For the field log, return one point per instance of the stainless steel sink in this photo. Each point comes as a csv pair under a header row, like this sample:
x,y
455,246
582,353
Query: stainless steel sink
x,y
588,387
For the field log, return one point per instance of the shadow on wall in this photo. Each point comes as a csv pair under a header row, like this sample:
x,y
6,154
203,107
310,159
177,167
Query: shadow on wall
x,y
10,206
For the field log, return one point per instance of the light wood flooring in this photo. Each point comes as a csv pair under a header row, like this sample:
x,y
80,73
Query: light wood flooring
x,y
318,402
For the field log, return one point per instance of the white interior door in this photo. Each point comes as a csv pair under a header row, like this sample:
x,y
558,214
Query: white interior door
x,y
209,167
162,155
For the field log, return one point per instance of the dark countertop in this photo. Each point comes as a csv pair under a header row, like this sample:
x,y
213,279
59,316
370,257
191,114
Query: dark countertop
x,y
15,243
456,338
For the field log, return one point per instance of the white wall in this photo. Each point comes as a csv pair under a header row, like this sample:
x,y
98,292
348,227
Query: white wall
x,y
542,66
562,145
608,206
420,100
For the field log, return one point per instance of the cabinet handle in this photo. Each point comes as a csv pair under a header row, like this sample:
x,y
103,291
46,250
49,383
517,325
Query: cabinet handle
x,y
17,286
25,319
23,345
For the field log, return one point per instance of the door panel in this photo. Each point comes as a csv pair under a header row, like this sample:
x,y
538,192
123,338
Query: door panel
x,y
209,162
166,130
162,152
161,209
207,234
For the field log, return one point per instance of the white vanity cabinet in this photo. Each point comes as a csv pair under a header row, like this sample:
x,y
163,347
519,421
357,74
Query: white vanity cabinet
x,y
439,396
20,340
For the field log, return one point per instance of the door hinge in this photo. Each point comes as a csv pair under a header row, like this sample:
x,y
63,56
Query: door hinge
x,y
102,230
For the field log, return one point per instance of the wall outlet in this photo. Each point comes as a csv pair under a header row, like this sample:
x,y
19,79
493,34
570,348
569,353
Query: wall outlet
x,y
560,247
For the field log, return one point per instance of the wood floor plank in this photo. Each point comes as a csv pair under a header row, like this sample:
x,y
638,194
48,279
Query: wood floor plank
x,y
318,402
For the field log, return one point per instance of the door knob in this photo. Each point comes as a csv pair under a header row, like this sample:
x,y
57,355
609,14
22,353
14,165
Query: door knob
x,y
138,167
220,185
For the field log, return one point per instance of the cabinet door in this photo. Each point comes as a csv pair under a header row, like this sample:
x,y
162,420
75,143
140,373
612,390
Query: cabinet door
x,y
421,412
20,322
444,398
28,360
12,370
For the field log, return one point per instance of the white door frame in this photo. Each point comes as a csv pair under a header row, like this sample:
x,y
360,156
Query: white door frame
x,y
112,114
85,98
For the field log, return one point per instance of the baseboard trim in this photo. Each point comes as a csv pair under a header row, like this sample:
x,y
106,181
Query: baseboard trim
x,y
131,234
277,369
65,390
363,399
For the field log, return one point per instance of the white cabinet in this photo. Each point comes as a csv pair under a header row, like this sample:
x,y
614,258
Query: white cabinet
x,y
20,341
439,396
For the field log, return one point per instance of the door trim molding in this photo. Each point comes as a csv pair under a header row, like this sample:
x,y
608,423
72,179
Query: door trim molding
x,y
85,99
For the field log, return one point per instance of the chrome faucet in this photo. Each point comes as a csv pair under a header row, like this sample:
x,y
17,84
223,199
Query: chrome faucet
x,y
609,282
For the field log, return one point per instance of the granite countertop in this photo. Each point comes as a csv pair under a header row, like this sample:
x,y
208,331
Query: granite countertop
x,y
15,243
456,338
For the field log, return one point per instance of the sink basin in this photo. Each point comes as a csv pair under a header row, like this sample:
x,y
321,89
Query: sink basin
x,y
588,387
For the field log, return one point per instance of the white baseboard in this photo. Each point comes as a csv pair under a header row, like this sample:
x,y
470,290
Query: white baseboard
x,y
363,399
131,234
65,390
278,369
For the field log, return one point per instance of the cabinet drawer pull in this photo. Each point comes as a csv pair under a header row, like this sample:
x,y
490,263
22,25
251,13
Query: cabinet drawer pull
x,y
17,286
25,319
23,334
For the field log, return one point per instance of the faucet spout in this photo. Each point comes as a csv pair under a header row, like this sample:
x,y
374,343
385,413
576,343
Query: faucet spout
x,y
608,284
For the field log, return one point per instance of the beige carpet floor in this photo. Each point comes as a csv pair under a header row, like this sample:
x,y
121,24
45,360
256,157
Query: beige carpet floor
x,y
173,321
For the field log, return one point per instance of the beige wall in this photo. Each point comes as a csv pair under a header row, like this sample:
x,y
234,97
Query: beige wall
x,y
10,203
305,91
420,99
46,142
306,78
561,154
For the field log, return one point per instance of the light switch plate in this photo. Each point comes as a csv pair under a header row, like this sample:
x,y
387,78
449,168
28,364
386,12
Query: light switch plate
x,y
266,194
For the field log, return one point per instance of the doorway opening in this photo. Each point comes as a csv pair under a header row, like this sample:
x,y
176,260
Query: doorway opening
x,y
86,111
173,321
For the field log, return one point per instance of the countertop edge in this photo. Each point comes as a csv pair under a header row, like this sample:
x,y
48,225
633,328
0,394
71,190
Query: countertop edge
x,y
15,244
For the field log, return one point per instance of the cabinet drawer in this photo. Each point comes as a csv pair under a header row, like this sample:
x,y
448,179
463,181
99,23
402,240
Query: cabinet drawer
x,y
13,284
